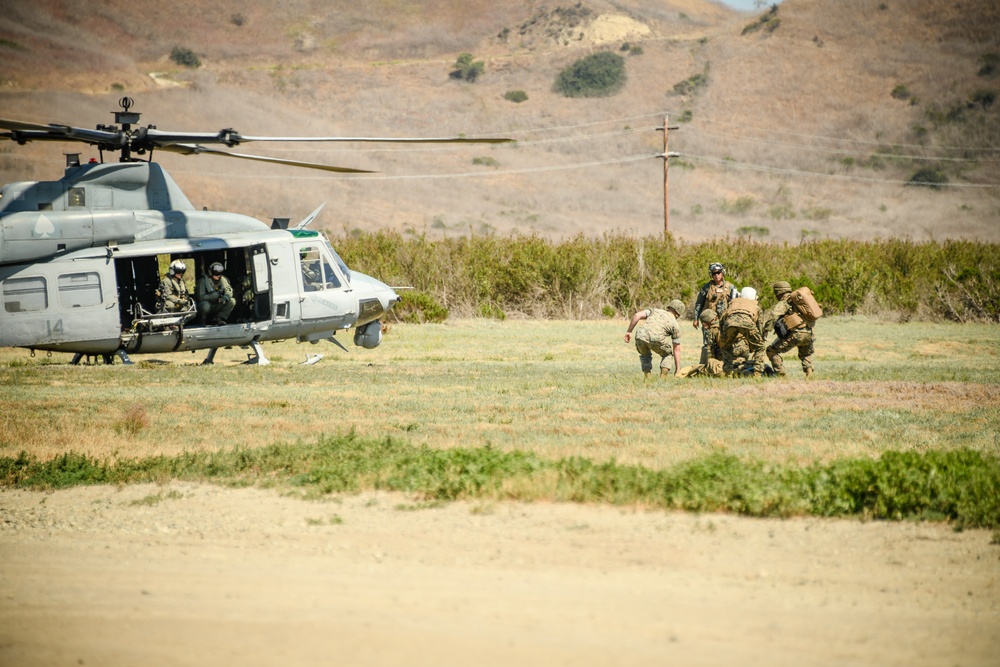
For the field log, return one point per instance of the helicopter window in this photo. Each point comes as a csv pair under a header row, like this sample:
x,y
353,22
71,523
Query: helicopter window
x,y
21,295
312,271
77,290
77,197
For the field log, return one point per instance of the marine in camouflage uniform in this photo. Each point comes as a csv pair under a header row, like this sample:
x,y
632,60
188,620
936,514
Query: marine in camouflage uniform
x,y
173,290
659,333
800,338
215,296
713,366
714,295
742,339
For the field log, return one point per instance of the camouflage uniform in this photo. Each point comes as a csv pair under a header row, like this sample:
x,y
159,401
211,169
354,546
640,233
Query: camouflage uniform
x,y
713,365
741,338
174,294
801,337
658,333
215,299
712,297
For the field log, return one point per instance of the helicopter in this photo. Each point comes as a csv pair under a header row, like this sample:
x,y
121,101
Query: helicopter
x,y
81,258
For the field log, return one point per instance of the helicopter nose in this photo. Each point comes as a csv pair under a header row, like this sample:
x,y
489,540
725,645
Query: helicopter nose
x,y
375,298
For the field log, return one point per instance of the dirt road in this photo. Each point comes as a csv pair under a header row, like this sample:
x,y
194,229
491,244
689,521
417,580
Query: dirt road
x,y
200,575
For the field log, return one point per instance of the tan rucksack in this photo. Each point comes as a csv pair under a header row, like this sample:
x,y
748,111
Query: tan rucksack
x,y
805,304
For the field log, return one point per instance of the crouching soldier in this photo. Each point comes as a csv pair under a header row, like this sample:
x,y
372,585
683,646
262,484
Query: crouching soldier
x,y
713,365
793,326
215,296
740,323
659,333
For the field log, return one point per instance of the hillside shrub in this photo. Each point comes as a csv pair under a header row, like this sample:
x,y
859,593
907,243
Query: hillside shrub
x,y
467,69
984,98
600,74
693,83
900,92
185,57
989,63
515,96
928,177
767,22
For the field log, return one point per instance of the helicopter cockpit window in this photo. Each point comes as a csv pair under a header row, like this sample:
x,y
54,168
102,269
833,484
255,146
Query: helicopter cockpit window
x,y
77,197
317,272
21,295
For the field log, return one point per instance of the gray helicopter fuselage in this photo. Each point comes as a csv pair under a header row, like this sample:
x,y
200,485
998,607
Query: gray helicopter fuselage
x,y
81,260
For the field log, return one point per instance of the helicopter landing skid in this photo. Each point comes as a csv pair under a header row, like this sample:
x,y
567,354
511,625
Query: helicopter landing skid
x,y
258,357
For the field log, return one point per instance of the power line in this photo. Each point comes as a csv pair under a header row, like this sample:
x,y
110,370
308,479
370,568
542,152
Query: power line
x,y
846,177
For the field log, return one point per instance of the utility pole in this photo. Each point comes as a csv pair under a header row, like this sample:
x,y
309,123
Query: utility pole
x,y
666,160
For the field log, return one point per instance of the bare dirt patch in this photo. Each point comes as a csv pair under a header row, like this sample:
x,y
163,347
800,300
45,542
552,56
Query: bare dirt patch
x,y
197,574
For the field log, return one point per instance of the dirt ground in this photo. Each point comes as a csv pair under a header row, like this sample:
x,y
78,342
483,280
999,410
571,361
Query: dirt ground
x,y
200,575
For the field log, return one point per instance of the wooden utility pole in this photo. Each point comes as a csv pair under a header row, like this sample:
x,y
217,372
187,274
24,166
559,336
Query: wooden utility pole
x,y
666,162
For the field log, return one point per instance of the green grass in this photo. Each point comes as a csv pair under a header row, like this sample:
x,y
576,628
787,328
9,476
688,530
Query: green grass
x,y
962,486
526,409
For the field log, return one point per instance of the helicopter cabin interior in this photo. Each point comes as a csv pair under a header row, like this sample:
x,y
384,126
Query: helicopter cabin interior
x,y
138,279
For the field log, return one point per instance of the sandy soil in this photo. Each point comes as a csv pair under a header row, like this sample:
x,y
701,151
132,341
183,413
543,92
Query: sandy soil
x,y
199,575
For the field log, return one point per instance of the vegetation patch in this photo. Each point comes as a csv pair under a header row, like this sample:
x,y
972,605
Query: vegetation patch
x,y
185,57
467,68
600,74
767,22
958,486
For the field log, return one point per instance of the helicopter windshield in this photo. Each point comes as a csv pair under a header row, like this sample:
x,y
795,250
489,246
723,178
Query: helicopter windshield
x,y
317,271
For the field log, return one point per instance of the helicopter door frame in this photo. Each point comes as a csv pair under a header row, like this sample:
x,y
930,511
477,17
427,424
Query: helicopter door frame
x,y
261,282
324,293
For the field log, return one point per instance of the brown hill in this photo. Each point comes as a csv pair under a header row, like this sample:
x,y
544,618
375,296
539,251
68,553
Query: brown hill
x,y
806,124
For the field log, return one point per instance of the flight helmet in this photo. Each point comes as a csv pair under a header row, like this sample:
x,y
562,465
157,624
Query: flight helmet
x,y
177,266
215,269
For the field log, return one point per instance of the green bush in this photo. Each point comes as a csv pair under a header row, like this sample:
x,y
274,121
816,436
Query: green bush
x,y
900,92
185,57
598,75
768,22
955,280
418,307
466,69
989,63
515,96
691,84
928,177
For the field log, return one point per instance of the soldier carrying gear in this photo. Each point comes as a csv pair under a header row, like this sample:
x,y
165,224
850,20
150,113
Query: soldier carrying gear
x,y
714,295
793,331
173,291
657,328
740,324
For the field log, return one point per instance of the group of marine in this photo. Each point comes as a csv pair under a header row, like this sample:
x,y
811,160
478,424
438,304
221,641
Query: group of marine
x,y
734,330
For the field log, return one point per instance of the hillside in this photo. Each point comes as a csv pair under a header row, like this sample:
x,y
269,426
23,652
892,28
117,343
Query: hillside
x,y
806,127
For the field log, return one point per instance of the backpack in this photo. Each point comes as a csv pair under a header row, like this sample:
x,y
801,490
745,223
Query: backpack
x,y
805,304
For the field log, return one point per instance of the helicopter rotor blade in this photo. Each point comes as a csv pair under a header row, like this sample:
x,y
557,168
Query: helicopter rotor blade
x,y
399,140
24,132
194,149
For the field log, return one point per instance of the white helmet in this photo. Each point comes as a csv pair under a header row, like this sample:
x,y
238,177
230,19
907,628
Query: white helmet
x,y
177,266
748,293
216,268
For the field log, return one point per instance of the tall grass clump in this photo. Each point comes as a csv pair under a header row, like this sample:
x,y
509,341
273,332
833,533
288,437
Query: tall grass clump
x,y
581,277
962,486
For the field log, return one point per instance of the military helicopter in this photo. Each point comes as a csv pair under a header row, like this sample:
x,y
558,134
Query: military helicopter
x,y
81,257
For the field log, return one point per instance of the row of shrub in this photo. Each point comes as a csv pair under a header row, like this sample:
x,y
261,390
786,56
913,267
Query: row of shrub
x,y
958,486
614,275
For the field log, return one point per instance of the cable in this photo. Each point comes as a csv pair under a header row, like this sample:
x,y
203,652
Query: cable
x,y
799,172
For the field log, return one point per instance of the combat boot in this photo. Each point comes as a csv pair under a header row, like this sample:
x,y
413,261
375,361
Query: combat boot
x,y
664,373
645,375
809,373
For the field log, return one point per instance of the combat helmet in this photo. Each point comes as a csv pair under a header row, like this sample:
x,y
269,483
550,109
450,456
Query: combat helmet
x,y
781,288
708,316
677,306
715,267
